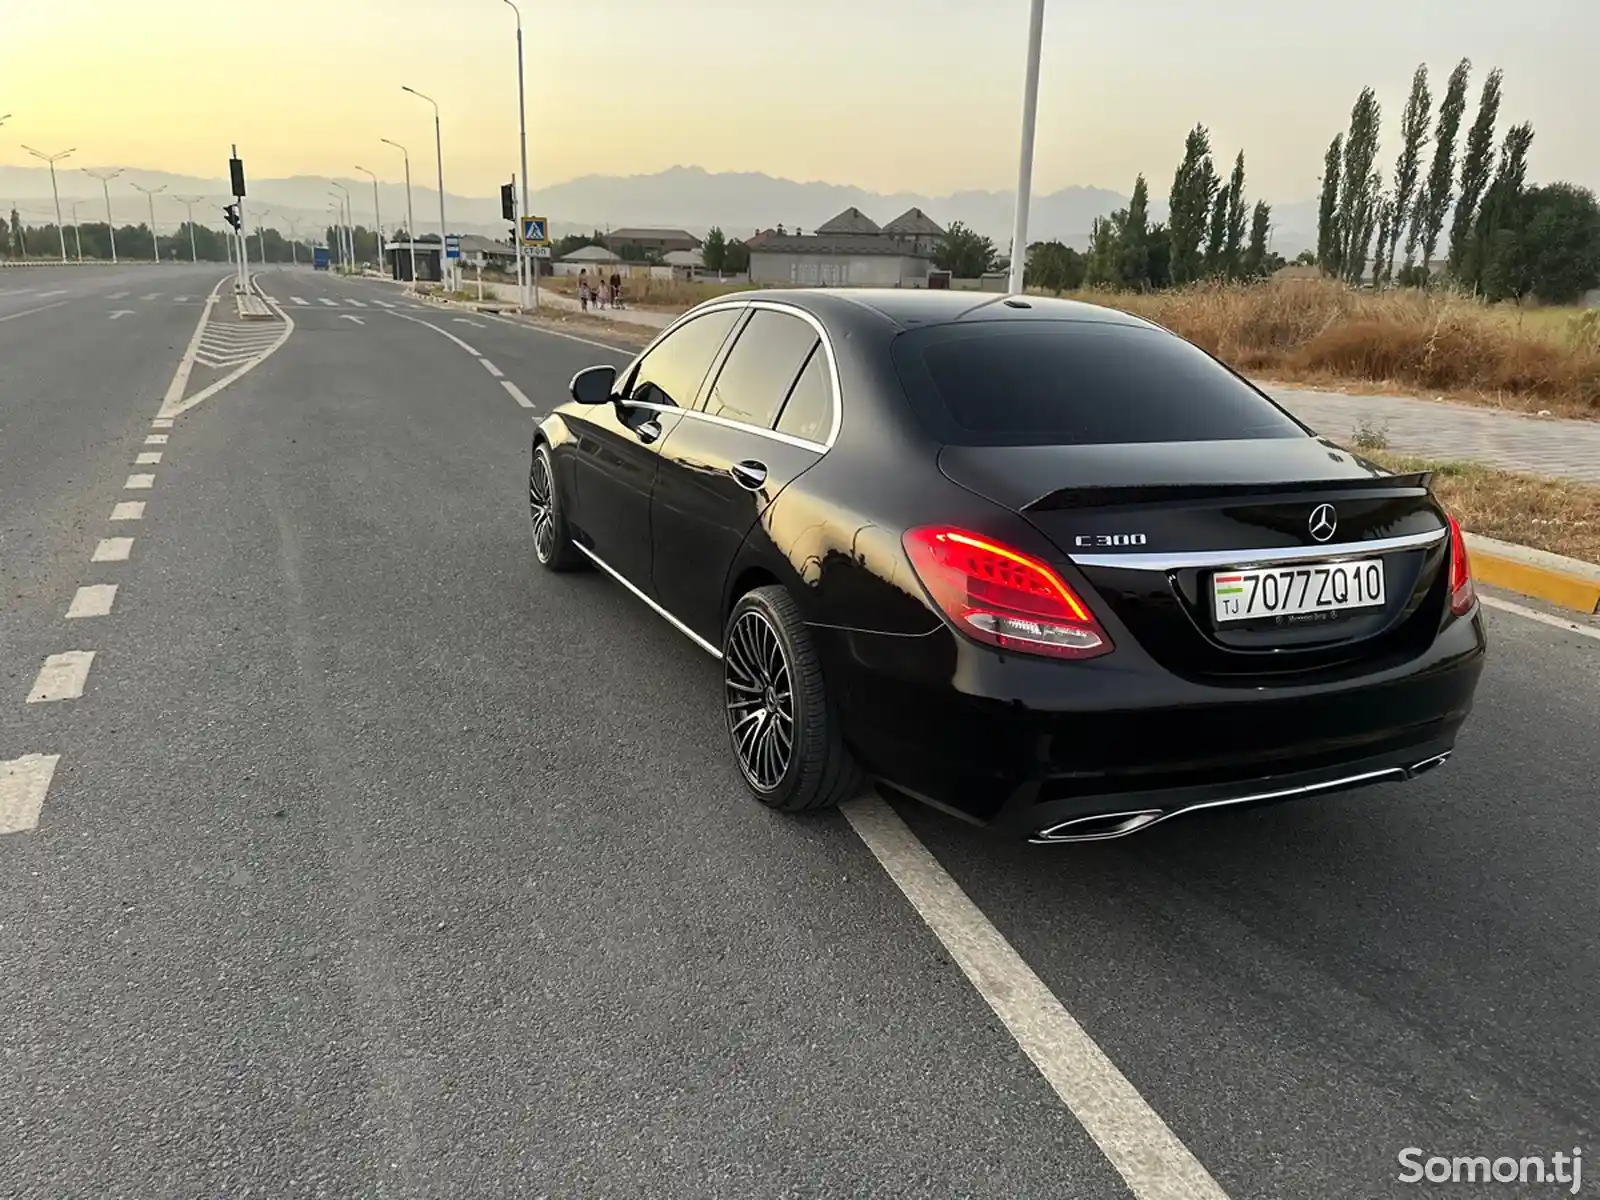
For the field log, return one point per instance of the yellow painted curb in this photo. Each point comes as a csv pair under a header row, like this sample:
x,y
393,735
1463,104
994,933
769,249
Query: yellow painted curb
x,y
1558,587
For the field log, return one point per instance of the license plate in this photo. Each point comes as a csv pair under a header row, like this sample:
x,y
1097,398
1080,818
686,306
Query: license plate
x,y
1269,592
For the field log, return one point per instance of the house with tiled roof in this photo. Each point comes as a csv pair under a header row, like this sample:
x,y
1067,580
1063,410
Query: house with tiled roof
x,y
850,250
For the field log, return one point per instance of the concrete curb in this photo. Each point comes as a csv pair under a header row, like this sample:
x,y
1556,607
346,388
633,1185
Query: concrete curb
x,y
1567,582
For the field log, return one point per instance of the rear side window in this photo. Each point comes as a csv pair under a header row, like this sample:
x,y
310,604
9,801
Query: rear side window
x,y
673,371
1075,383
808,413
761,368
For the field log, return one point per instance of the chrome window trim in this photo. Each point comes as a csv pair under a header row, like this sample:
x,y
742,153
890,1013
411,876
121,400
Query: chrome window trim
x,y
741,306
1259,558
659,611
770,434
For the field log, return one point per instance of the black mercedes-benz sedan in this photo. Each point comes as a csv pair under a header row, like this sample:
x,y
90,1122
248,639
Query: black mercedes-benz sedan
x,y
1041,564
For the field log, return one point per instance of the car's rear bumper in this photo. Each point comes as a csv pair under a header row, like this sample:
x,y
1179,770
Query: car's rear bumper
x,y
1028,745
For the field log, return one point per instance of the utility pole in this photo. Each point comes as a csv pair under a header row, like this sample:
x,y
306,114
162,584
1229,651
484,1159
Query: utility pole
x,y
52,159
105,178
1030,112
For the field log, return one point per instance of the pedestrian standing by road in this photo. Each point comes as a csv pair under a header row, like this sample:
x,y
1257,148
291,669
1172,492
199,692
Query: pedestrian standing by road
x,y
583,288
616,290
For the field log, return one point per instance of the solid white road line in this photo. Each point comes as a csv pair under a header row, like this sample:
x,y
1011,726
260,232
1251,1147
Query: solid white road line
x,y
492,369
180,377
62,677
176,403
128,510
112,549
137,482
1149,1157
157,439
161,423
446,333
1533,614
516,393
23,784
30,311
148,458
93,600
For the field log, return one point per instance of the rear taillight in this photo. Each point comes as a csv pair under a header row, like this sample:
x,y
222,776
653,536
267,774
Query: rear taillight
x,y
1462,593
1003,597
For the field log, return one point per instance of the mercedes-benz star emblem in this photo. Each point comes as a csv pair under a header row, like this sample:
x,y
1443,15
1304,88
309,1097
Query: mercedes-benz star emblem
x,y
1324,522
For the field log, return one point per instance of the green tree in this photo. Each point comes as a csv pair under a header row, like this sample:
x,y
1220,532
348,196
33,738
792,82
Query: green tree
x,y
1054,266
1160,258
1358,197
1414,121
737,259
715,251
965,253
1105,251
19,246
1255,255
1559,242
1194,186
1217,233
1384,220
1476,165
1328,240
1133,242
1437,194
1495,248
1233,247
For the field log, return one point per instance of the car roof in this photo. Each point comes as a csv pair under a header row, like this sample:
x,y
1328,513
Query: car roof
x,y
910,308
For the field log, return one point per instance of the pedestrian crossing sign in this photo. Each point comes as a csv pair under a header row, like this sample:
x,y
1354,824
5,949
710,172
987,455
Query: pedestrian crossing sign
x,y
535,231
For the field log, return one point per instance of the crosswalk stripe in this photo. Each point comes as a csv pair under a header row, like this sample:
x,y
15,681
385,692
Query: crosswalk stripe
x,y
300,300
329,303
355,303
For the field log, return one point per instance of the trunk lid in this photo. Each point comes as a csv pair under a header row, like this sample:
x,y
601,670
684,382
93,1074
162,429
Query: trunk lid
x,y
1151,526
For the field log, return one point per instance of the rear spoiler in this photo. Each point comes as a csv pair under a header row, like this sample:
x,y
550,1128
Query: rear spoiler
x,y
1109,497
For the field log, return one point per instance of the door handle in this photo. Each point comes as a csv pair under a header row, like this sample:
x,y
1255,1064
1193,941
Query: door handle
x,y
749,474
649,431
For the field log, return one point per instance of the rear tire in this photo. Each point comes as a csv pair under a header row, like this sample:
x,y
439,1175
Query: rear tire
x,y
784,731
552,541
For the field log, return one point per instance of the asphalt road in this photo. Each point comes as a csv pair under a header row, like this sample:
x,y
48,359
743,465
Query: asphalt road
x,y
377,862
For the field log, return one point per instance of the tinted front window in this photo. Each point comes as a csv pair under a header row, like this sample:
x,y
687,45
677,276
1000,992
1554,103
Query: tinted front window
x,y
1075,383
808,413
673,371
761,368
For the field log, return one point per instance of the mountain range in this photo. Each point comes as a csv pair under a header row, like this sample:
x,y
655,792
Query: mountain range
x,y
690,198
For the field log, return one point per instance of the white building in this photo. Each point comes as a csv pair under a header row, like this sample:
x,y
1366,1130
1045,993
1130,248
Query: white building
x,y
592,259
848,251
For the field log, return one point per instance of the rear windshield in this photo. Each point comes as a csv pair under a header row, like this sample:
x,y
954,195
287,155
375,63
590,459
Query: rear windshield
x,y
1075,383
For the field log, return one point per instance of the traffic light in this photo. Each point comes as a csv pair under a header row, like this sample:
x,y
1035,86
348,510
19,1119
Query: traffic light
x,y
231,212
508,202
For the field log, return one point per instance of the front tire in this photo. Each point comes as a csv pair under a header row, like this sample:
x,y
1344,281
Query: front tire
x,y
552,541
783,728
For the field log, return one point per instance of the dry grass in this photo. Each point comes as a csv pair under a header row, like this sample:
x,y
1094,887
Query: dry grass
x,y
1321,332
1531,510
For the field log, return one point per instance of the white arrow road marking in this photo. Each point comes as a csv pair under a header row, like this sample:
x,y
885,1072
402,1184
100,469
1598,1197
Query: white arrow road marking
x,y
62,677
23,784
351,317
120,313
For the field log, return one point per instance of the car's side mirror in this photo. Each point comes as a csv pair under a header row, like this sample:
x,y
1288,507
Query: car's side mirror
x,y
593,385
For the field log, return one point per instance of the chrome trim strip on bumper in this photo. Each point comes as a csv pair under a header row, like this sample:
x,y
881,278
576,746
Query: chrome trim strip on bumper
x,y
659,611
1138,820
1259,558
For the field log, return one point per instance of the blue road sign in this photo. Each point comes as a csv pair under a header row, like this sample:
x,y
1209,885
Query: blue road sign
x,y
452,246
535,231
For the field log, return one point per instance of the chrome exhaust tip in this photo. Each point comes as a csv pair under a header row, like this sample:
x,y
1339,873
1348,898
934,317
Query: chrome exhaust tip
x,y
1098,828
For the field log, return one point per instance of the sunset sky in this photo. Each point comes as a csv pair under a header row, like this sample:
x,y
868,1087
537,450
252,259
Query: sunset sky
x,y
887,94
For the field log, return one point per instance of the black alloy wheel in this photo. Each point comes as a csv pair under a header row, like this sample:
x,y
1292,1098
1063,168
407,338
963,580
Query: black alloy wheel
x,y
784,732
552,545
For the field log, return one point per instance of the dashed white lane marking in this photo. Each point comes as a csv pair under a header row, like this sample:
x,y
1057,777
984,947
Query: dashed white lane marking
x,y
118,314
116,295
151,296
148,458
1533,614
300,300
52,292
161,423
516,393
128,510
1149,1157
354,303
136,482
92,600
28,312
62,677
384,304
492,369
180,299
23,784
329,303
157,439
112,549
464,321
438,329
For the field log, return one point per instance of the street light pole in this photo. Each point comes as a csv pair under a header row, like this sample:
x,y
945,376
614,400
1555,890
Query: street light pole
x,y
528,264
189,202
261,234
438,147
152,193
105,178
52,159
77,233
294,241
1030,112
346,233
377,213
411,220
